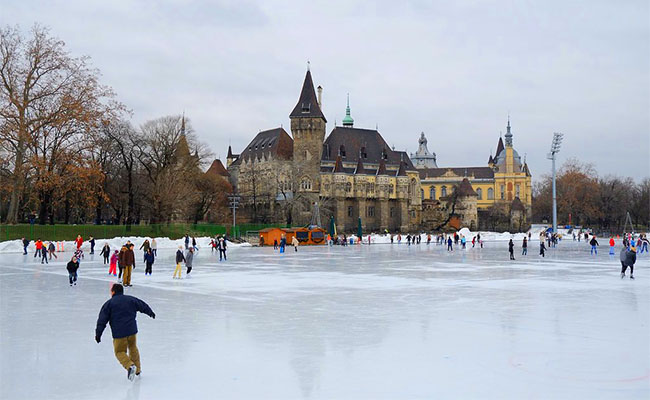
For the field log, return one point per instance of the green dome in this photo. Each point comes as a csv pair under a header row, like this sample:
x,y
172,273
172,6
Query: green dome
x,y
348,121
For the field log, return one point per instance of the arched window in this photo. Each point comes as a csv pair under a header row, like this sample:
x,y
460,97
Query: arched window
x,y
305,184
479,191
432,193
443,191
342,151
422,193
490,194
348,187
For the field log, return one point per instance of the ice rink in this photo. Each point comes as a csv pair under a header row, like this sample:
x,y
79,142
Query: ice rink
x,y
356,322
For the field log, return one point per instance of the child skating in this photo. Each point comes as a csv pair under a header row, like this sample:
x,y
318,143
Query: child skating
x,y
179,259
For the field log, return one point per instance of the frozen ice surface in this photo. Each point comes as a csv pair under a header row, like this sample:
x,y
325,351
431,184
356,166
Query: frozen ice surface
x,y
356,322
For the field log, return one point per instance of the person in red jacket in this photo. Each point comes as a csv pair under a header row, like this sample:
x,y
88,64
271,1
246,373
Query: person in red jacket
x,y
611,245
79,241
39,248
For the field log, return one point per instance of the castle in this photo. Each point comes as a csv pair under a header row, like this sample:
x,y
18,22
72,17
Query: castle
x,y
357,178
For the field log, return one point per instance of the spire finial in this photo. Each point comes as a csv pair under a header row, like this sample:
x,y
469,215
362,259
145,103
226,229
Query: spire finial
x,y
308,66
348,121
183,124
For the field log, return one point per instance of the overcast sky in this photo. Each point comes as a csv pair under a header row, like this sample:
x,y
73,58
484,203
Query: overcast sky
x,y
451,69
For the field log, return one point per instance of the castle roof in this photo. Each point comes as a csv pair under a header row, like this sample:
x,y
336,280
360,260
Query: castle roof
x,y
500,148
382,168
465,189
308,102
217,168
367,142
274,142
402,169
338,167
477,172
359,169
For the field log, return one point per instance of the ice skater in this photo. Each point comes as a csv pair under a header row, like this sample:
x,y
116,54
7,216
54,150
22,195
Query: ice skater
x,y
154,247
112,269
222,246
128,263
120,266
44,254
511,249
524,247
180,258
644,245
92,245
106,252
51,249
148,261
72,267
120,311
542,248
283,243
295,243
612,243
145,246
628,258
593,242
189,258
450,246
39,247
25,244
79,241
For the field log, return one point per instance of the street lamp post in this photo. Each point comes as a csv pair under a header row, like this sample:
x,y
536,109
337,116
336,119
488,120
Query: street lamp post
x,y
555,148
234,199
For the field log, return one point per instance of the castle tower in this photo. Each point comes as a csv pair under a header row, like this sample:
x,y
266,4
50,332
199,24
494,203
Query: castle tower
x,y
347,120
308,130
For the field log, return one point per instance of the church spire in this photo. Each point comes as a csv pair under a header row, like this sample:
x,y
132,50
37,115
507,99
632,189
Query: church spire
x,y
348,121
508,134
308,102
183,124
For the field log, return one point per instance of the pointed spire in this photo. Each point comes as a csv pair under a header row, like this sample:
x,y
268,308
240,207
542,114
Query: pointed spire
x,y
402,169
382,168
500,148
348,121
229,152
338,167
183,124
308,102
508,134
359,170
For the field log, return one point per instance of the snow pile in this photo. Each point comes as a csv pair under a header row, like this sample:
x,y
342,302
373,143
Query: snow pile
x,y
16,246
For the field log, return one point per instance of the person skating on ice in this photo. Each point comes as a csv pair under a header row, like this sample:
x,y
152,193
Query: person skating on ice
x,y
524,247
145,246
25,244
612,243
511,249
79,241
154,247
44,254
593,242
72,267
180,258
112,269
542,248
283,243
128,263
450,244
39,247
628,258
92,245
120,266
106,252
51,249
189,258
148,261
222,246
295,243
120,312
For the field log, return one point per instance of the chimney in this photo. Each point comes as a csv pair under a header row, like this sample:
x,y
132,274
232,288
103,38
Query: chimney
x,y
320,96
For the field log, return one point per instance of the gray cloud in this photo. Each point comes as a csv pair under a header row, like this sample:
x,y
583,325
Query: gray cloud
x,y
451,69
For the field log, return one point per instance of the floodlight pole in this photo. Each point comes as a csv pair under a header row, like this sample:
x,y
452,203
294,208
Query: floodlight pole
x,y
555,148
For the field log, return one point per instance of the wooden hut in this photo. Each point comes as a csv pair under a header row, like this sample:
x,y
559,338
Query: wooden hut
x,y
317,236
269,235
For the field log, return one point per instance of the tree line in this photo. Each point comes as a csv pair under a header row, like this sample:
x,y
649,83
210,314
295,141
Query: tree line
x,y
68,152
587,199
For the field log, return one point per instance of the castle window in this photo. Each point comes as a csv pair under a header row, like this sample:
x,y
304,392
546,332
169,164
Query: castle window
x,y
384,154
350,211
422,193
363,152
342,151
392,212
490,194
432,193
517,191
371,211
503,192
392,188
305,184
443,191
306,107
348,187
479,191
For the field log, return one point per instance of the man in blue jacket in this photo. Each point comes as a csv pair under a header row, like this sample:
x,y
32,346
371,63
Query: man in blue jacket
x,y
120,311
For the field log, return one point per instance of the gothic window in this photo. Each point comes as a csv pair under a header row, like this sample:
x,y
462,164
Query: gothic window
x,y
443,191
517,191
422,193
392,212
305,184
371,187
363,153
348,187
371,211
384,154
342,151
432,193
306,107
503,192
350,211
490,194
479,191
392,188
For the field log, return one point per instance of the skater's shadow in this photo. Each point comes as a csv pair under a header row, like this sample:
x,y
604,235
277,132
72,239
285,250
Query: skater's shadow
x,y
133,392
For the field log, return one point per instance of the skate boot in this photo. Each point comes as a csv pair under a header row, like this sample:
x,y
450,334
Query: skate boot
x,y
130,373
632,277
622,275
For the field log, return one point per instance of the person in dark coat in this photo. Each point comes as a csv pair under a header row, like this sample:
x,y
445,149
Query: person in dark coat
x,y
189,258
106,252
524,247
120,311
25,244
128,263
180,258
148,260
187,241
511,249
92,245
72,268
450,247
593,242
542,248
222,246
628,258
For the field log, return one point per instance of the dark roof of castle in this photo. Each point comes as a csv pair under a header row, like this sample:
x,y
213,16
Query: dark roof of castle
x,y
382,168
465,188
217,168
275,142
490,160
500,147
229,152
339,165
517,205
359,169
402,169
308,102
478,172
354,140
